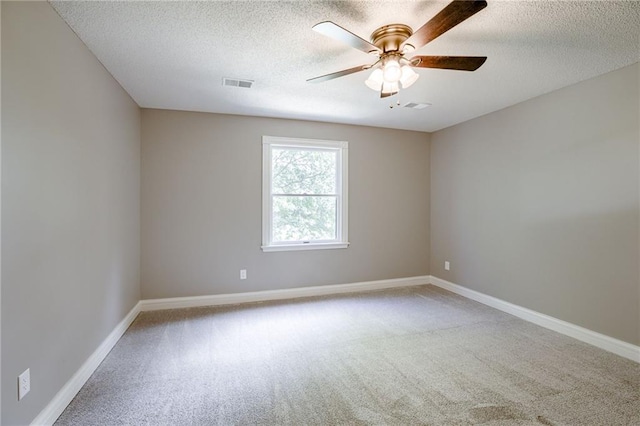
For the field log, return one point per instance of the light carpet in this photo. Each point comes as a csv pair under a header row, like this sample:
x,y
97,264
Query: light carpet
x,y
409,356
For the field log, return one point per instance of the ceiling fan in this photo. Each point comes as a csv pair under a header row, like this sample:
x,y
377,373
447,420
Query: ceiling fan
x,y
391,43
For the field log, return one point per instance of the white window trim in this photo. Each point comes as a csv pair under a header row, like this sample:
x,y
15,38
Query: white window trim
x,y
341,241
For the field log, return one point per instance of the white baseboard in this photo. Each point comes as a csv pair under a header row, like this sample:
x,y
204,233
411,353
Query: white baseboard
x,y
59,402
601,341
291,293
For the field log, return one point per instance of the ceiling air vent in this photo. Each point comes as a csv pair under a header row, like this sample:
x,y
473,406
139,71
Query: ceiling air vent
x,y
235,82
416,105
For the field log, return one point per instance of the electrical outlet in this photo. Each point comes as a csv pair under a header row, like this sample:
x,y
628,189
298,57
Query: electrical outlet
x,y
447,265
24,384
243,274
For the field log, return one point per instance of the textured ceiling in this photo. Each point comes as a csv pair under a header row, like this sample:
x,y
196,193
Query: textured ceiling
x,y
173,55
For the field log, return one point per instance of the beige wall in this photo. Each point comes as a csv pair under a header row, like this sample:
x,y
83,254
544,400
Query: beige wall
x,y
538,204
201,206
70,205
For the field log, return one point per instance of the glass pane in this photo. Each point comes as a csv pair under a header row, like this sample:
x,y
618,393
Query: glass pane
x,y
304,218
300,171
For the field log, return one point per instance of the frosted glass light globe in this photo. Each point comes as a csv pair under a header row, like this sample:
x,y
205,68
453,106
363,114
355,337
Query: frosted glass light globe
x,y
409,76
375,80
388,88
392,72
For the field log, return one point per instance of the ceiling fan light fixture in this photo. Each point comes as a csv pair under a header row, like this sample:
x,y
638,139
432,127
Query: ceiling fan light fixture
x,y
391,71
375,80
408,77
390,88
390,44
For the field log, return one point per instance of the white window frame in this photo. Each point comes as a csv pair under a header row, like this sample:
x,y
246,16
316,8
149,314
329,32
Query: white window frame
x,y
341,147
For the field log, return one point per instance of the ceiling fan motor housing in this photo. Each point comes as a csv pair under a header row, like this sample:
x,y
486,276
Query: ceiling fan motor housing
x,y
389,38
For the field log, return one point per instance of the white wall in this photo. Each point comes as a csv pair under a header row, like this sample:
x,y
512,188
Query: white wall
x,y
70,205
201,206
538,204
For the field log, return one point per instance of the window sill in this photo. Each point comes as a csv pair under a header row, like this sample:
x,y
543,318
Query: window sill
x,y
311,246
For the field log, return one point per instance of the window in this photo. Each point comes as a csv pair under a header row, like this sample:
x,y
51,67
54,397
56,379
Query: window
x,y
304,194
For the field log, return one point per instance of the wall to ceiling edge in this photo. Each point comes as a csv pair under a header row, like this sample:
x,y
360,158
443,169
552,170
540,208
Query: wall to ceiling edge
x,y
538,204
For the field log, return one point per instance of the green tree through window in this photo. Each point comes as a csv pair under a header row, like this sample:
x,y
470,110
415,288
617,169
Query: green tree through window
x,y
304,194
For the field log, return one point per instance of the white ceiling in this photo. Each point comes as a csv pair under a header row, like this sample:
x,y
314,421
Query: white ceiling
x,y
173,55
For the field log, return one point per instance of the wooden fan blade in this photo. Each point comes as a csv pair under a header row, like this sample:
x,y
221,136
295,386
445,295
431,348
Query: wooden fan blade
x,y
338,74
456,12
461,63
386,95
335,31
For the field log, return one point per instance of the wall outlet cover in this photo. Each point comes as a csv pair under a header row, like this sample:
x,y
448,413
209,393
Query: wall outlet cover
x,y
24,384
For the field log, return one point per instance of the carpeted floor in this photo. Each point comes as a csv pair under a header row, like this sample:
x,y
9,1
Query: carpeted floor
x,y
410,356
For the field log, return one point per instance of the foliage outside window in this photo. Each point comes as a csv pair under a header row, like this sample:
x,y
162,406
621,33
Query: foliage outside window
x,y
304,194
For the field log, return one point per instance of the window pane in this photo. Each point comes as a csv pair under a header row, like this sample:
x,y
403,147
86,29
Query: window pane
x,y
300,171
304,218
